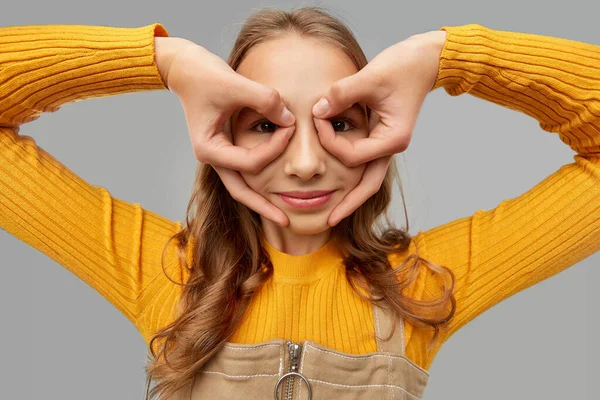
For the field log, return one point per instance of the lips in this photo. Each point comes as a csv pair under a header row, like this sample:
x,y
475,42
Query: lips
x,y
306,195
306,199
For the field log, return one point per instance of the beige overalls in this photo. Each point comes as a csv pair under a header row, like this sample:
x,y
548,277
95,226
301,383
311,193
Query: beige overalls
x,y
283,370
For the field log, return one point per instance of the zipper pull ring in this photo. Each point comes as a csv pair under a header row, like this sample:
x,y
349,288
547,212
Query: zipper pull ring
x,y
292,374
294,350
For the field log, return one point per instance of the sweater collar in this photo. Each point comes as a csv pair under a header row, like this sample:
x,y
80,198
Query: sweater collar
x,y
306,268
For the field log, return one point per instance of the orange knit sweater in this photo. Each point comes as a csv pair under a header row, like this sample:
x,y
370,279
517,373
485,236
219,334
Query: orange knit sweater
x,y
115,246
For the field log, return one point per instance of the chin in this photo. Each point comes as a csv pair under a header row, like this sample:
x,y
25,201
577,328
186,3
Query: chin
x,y
308,224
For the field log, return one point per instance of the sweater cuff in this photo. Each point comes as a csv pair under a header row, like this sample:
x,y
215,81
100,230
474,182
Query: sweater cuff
x,y
46,66
464,44
111,60
554,80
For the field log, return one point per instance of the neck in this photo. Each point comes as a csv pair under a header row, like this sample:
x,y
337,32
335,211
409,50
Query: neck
x,y
297,244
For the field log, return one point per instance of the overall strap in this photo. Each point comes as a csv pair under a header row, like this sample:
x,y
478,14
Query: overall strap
x,y
383,319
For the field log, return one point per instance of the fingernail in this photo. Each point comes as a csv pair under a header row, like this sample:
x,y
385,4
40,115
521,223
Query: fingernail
x,y
288,117
321,107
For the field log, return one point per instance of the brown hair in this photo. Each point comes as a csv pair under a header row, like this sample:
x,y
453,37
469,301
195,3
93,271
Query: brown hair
x,y
222,282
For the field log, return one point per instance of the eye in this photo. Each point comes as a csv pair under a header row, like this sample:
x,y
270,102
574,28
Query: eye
x,y
265,123
339,123
266,126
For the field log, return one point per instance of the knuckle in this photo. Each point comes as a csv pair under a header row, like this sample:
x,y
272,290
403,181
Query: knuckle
x,y
349,161
272,99
235,195
336,91
373,190
253,166
200,147
353,163
400,144
200,154
378,77
342,156
397,143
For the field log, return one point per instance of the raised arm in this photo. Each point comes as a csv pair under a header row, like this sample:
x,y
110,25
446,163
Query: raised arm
x,y
112,245
554,225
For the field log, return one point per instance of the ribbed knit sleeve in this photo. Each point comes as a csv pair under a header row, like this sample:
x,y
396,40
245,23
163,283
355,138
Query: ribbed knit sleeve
x,y
554,225
112,245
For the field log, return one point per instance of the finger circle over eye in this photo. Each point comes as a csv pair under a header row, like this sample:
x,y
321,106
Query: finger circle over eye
x,y
271,106
269,101
263,153
338,146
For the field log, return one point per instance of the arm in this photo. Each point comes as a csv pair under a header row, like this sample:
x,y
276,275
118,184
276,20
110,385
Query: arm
x,y
112,245
556,224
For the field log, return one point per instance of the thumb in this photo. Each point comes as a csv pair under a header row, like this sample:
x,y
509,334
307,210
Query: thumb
x,y
342,94
264,99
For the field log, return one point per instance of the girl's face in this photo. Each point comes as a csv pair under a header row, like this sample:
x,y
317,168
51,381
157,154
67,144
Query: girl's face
x,y
302,70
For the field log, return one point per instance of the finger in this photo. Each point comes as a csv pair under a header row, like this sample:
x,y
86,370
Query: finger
x,y
369,185
381,142
342,94
264,99
337,145
241,192
221,152
265,152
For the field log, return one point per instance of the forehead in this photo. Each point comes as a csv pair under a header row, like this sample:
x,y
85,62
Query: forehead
x,y
301,68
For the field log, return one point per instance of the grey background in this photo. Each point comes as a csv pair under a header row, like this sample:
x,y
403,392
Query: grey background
x,y
60,339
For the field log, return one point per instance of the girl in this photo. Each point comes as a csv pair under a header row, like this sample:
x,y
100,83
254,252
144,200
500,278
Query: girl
x,y
283,281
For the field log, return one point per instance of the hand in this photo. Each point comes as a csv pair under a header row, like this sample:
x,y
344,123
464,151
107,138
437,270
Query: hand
x,y
210,92
394,85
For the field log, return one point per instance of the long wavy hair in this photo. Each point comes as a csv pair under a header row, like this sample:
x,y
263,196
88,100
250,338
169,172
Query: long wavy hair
x,y
221,283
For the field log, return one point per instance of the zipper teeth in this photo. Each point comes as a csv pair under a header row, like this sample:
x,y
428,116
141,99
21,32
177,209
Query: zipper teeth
x,y
289,388
289,392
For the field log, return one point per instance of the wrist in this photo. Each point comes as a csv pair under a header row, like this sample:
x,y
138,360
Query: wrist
x,y
436,38
433,42
165,50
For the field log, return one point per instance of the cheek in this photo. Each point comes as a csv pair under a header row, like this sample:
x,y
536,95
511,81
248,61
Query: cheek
x,y
352,176
246,140
264,181
254,181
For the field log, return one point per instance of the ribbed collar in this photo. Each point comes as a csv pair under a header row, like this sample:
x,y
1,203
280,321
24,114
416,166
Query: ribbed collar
x,y
306,268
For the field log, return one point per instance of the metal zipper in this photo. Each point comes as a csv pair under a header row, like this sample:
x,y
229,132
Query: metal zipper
x,y
294,351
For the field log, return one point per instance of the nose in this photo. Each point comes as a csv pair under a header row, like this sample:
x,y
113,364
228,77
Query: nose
x,y
304,155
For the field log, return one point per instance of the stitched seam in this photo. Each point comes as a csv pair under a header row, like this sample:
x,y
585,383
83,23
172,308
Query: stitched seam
x,y
401,327
306,346
236,376
359,358
376,312
251,348
280,361
301,367
390,376
365,386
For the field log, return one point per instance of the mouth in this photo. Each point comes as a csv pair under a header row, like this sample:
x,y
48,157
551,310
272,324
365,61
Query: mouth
x,y
307,199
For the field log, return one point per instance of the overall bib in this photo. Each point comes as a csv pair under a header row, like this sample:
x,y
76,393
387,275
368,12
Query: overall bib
x,y
284,370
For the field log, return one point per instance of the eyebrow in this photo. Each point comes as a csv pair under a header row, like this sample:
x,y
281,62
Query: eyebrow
x,y
356,107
